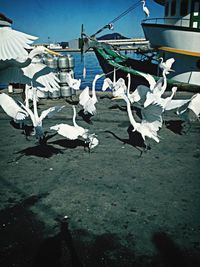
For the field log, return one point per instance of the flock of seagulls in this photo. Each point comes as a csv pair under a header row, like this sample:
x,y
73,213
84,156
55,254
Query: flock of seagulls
x,y
22,66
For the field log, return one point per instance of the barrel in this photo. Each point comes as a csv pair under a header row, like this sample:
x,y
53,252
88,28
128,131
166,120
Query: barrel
x,y
63,62
51,62
70,61
66,62
62,77
55,94
65,90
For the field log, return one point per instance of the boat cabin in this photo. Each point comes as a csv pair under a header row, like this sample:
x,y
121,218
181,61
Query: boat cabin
x,y
184,13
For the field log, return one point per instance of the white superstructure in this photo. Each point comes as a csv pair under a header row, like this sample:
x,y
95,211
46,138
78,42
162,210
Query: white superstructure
x,y
177,35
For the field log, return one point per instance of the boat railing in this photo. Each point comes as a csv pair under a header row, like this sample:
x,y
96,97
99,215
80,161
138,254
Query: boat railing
x,y
177,21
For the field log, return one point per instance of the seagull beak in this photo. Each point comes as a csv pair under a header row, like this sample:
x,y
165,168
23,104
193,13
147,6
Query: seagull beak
x,y
53,52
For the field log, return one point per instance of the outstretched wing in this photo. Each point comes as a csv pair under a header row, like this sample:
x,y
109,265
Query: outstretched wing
x,y
153,113
107,83
149,78
50,112
194,104
84,96
66,130
14,43
43,77
11,108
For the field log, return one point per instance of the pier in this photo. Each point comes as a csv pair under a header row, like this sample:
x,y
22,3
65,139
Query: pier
x,y
121,44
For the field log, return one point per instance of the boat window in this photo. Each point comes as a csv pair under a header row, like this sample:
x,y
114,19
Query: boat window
x,y
173,7
198,63
166,9
184,7
196,7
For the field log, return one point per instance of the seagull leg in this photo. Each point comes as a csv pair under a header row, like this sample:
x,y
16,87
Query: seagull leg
x,y
147,147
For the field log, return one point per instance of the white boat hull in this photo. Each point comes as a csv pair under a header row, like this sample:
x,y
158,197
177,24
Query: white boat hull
x,y
182,38
182,44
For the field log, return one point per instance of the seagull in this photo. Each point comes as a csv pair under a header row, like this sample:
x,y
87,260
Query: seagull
x,y
166,66
12,108
156,89
86,100
75,131
73,83
118,87
145,9
38,120
145,128
150,114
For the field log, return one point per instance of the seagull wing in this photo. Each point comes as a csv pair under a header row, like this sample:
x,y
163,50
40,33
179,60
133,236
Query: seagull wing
x,y
107,83
50,112
152,113
149,78
14,43
84,96
176,103
90,107
11,108
66,130
194,104
73,83
42,76
169,62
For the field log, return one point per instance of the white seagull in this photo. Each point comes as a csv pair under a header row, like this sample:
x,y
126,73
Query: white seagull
x,y
166,66
75,131
38,120
145,128
118,87
145,9
73,83
88,102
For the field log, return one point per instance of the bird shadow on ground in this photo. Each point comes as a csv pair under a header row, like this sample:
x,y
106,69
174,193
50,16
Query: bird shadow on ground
x,y
41,150
175,126
66,143
26,129
85,117
134,139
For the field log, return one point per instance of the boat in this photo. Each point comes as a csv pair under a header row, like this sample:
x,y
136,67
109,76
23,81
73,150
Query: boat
x,y
177,36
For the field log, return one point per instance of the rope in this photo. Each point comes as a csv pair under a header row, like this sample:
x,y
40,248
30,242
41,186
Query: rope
x,y
109,25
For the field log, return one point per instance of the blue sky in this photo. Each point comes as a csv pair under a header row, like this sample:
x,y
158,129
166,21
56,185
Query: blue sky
x,y
61,20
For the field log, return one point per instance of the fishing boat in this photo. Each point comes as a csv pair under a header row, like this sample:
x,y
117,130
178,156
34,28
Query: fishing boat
x,y
176,35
